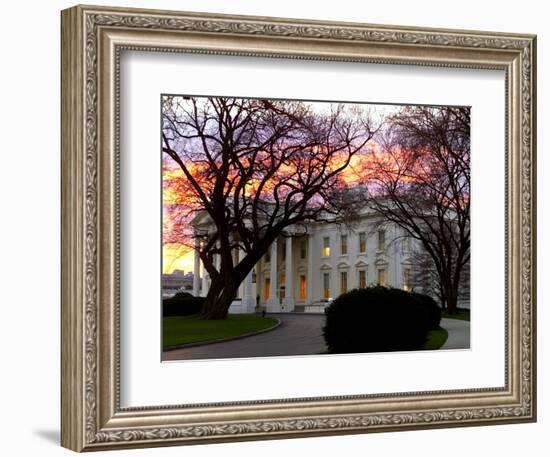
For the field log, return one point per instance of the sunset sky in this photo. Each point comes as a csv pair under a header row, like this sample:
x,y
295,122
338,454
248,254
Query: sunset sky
x,y
173,259
178,256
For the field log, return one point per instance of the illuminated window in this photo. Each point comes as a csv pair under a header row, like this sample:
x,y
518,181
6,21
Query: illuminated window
x,y
343,282
303,287
343,244
326,246
362,279
381,277
381,240
303,249
362,242
267,287
406,279
326,286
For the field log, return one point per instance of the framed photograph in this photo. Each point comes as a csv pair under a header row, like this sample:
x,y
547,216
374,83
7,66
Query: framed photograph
x,y
275,228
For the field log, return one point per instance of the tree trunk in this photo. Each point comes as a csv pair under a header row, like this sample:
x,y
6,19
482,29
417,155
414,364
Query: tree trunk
x,y
219,298
451,299
211,299
225,284
443,298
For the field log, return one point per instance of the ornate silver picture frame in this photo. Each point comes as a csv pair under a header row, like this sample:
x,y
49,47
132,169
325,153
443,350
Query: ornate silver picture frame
x,y
93,40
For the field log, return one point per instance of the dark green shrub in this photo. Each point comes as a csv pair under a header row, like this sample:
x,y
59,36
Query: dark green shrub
x,y
375,319
181,296
432,308
182,304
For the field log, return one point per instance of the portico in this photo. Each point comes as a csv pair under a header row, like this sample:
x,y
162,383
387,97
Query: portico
x,y
281,277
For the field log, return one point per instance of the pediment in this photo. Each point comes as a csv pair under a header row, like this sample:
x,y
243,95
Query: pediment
x,y
381,261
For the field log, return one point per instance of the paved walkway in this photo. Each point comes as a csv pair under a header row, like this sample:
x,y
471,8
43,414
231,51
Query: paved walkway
x,y
459,334
298,334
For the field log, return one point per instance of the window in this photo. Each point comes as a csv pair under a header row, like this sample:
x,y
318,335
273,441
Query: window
x,y
362,242
326,246
407,243
381,240
268,255
382,277
343,282
283,253
303,287
326,286
343,244
362,279
303,249
406,279
267,287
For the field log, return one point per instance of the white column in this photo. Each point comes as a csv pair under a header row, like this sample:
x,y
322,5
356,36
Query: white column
x,y
334,271
289,277
217,260
240,255
273,301
255,290
249,301
204,288
196,270
310,272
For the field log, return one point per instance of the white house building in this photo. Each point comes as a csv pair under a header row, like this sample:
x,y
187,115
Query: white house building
x,y
303,272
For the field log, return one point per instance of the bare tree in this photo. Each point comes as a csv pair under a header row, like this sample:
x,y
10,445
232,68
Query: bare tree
x,y
255,167
425,278
420,180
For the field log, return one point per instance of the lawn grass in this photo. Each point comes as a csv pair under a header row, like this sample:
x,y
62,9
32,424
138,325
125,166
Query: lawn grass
x,y
462,314
436,338
179,330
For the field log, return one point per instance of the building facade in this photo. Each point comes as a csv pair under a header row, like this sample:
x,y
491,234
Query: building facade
x,y
304,272
310,270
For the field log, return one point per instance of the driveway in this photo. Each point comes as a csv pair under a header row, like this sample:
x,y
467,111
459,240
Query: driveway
x,y
459,334
298,334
